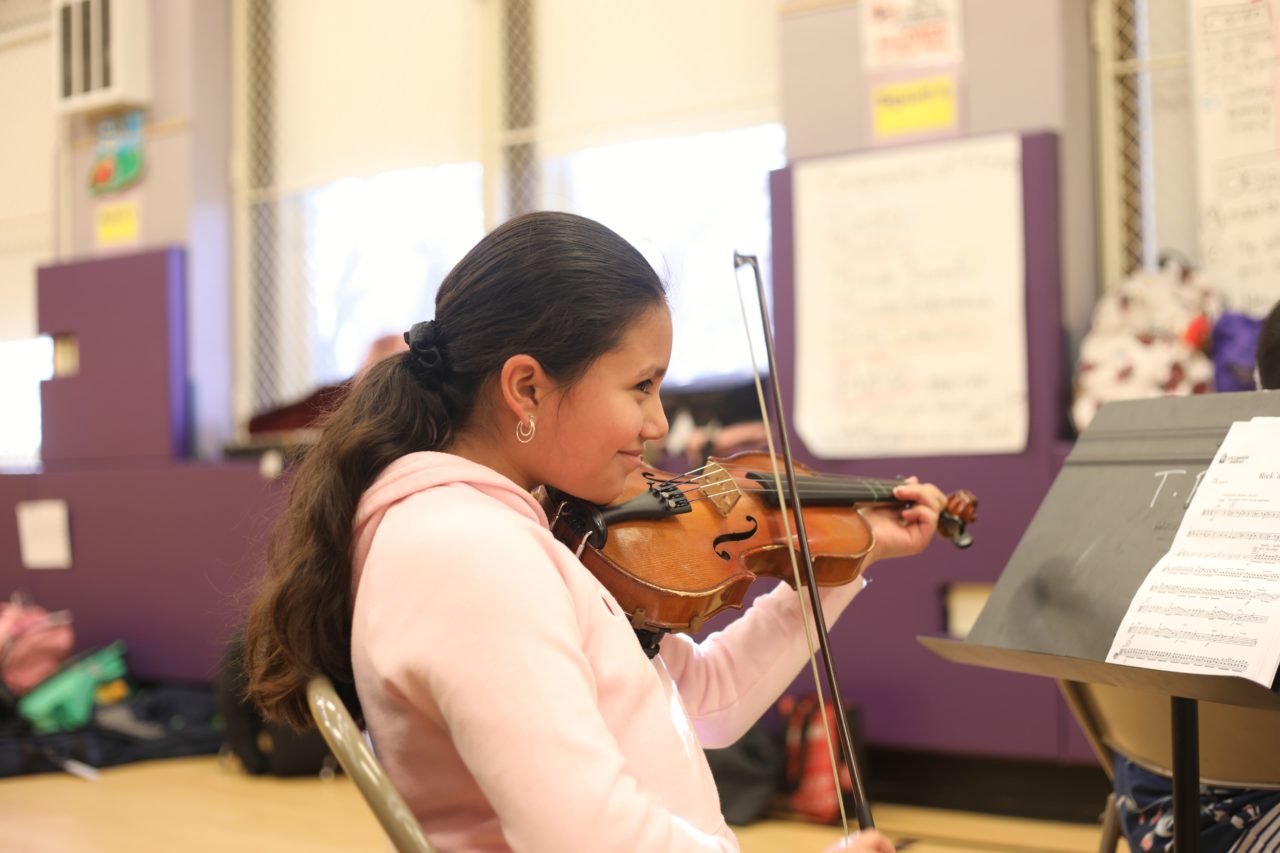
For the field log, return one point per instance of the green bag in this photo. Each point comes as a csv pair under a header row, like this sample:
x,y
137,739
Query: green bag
x,y
65,700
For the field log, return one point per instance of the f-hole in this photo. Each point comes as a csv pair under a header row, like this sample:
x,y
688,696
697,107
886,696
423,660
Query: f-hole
x,y
734,537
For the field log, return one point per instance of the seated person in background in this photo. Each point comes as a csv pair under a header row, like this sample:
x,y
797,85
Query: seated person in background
x,y
298,417
716,419
721,441
1268,369
1238,820
383,347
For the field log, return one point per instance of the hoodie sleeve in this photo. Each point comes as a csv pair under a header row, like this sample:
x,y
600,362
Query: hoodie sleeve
x,y
482,627
733,676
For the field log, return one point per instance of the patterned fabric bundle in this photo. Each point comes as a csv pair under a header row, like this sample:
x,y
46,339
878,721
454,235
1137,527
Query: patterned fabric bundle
x,y
1148,338
1232,820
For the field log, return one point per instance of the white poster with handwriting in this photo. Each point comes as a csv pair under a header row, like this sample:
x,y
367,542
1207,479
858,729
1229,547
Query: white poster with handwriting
x,y
1211,605
1235,49
911,33
910,301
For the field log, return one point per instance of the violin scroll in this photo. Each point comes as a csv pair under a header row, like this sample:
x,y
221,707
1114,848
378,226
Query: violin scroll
x,y
961,510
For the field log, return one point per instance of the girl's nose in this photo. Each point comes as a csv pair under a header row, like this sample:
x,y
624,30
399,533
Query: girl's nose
x,y
655,423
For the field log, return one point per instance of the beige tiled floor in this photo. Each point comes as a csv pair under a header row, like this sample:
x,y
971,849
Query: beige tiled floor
x,y
198,805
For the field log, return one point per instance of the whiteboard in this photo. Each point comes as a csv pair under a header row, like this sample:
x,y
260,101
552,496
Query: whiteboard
x,y
910,301
1235,59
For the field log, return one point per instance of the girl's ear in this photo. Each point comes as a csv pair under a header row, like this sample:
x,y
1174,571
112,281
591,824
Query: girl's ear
x,y
524,385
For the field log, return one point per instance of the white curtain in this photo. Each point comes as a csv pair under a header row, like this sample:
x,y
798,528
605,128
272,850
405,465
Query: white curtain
x,y
365,88
611,72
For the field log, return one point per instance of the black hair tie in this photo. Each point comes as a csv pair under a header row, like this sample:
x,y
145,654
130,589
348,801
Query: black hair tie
x,y
426,353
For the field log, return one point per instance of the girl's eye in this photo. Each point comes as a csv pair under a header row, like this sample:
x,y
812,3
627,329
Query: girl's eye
x,y
645,386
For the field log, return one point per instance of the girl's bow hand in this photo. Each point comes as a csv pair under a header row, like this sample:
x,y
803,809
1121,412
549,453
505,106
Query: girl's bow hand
x,y
867,841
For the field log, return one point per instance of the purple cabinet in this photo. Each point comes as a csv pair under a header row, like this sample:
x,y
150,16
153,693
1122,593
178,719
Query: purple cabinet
x,y
128,402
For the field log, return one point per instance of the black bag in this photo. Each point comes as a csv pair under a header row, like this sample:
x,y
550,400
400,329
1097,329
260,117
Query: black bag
x,y
260,746
158,721
748,774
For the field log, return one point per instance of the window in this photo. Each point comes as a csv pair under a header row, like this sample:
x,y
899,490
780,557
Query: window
x,y
377,249
24,364
687,203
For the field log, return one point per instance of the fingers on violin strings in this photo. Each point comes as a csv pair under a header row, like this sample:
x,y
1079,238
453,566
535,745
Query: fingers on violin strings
x,y
910,490
922,494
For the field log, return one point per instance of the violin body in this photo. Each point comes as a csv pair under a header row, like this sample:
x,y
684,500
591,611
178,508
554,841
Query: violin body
x,y
676,569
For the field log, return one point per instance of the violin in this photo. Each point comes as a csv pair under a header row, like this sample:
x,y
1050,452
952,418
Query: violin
x,y
678,549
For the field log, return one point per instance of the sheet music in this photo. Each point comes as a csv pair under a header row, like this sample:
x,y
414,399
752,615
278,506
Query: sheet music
x,y
1235,50
1211,605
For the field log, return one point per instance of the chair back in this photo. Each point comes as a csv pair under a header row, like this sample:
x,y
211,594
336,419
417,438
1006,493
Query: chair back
x,y
1239,747
347,742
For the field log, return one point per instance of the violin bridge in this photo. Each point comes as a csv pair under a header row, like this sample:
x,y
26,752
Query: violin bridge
x,y
719,487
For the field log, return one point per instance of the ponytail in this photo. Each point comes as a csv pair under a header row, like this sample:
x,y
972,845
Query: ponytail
x,y
300,621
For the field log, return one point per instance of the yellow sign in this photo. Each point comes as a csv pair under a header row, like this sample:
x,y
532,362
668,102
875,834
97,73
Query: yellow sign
x,y
116,223
927,105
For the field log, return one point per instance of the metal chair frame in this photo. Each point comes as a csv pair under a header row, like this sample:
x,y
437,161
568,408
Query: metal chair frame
x,y
352,751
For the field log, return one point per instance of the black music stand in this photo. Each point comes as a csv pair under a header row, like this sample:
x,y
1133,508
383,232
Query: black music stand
x,y
1110,515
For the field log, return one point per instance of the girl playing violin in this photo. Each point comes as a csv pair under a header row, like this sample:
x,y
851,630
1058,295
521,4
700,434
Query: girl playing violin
x,y
504,690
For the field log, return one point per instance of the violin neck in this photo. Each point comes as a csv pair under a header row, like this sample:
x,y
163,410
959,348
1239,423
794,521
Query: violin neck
x,y
831,491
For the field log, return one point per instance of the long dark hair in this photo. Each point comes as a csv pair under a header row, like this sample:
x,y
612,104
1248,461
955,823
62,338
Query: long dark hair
x,y
556,286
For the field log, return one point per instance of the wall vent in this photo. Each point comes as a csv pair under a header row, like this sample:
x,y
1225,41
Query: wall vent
x,y
103,60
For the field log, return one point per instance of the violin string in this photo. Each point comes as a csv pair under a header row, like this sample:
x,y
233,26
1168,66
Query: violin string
x,y
707,497
835,481
827,478
815,484
811,491
818,484
686,488
696,484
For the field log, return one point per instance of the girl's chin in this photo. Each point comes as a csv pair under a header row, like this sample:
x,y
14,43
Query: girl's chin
x,y
601,495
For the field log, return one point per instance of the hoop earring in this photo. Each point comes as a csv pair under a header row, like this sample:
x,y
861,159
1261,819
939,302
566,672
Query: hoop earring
x,y
524,436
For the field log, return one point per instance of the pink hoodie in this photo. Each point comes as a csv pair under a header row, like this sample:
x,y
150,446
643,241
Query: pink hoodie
x,y
506,693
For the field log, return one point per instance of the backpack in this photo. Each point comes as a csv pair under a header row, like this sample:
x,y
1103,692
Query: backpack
x,y
810,792
33,644
748,774
1235,351
262,747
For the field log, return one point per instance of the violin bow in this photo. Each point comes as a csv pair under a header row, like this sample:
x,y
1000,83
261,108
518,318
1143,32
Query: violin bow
x,y
861,808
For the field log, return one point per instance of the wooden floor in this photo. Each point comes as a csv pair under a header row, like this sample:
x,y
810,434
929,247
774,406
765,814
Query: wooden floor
x,y
199,805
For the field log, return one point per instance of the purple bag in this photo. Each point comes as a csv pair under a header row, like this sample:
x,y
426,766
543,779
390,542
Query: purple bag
x,y
1235,351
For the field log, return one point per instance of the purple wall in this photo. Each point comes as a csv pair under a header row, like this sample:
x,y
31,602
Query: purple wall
x,y
13,488
162,558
